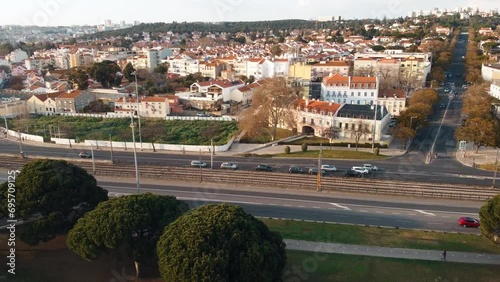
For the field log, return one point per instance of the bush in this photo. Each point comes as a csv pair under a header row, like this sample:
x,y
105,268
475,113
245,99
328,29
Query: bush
x,y
376,151
304,147
287,150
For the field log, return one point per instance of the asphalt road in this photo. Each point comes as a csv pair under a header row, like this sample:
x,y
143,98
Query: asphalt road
x,y
429,214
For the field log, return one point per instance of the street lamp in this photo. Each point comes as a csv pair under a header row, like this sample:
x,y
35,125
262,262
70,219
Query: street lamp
x,y
374,126
135,151
138,113
411,122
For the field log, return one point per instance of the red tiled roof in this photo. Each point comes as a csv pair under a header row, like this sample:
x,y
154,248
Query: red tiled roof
x,y
71,95
391,92
319,106
225,83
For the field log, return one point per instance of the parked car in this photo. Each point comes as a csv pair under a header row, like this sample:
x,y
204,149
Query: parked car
x,y
85,154
352,173
360,169
468,222
295,169
446,90
198,164
229,166
370,167
442,105
328,168
263,167
314,170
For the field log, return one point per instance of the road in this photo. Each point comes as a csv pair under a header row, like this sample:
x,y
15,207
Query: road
x,y
431,214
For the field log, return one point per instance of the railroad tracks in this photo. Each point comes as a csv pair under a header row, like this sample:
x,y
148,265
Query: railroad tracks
x,y
283,180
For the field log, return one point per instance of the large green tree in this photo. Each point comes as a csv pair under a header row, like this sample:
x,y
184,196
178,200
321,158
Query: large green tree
x,y
490,219
106,73
53,195
220,243
78,78
127,72
130,224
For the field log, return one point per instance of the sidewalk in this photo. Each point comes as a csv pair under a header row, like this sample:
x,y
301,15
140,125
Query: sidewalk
x,y
333,248
468,157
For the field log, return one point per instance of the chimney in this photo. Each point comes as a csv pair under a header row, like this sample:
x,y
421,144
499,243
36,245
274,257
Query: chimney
x,y
307,102
330,103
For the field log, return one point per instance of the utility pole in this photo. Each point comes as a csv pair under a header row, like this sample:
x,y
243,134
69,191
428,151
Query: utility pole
x,y
138,113
93,161
211,153
319,169
111,147
374,127
20,145
201,169
496,169
6,124
135,152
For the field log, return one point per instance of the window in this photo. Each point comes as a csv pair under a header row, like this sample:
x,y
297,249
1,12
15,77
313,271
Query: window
x,y
312,121
359,94
353,126
345,101
359,102
328,123
340,125
304,119
373,93
346,126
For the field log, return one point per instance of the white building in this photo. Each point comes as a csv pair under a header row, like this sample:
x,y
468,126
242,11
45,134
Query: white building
x,y
394,100
216,89
149,107
43,104
495,89
490,72
349,90
183,64
17,56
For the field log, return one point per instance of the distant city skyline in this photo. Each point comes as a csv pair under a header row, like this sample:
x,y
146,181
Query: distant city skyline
x,y
93,12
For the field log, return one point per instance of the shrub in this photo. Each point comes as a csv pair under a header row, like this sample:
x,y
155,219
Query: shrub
x,y
304,147
376,151
287,149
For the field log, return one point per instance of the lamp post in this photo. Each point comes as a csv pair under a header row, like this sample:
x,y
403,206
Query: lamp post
x,y
138,113
374,127
411,122
135,152
6,124
496,169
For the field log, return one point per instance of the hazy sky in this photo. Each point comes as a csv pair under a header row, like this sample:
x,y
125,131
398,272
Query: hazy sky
x,y
92,12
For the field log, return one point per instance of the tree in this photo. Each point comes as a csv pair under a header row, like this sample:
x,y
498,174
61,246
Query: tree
x,y
130,224
162,68
276,50
107,73
127,72
220,242
154,131
78,78
477,130
272,104
97,106
404,134
489,215
59,193
378,48
359,130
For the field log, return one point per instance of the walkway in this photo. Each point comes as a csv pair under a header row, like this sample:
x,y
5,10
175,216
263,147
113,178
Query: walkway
x,y
333,248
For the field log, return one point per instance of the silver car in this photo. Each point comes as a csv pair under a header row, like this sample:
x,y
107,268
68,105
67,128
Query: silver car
x,y
328,168
229,166
370,167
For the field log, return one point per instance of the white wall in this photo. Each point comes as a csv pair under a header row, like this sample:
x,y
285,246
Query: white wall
x,y
24,136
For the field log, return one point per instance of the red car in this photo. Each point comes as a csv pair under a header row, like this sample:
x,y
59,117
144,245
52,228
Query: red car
x,y
468,222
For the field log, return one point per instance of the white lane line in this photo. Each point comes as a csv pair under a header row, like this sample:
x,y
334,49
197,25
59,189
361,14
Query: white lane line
x,y
316,208
426,213
395,213
363,211
339,206
379,212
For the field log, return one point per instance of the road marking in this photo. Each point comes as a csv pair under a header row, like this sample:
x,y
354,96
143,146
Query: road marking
x,y
316,208
379,212
339,206
363,211
302,206
395,213
426,213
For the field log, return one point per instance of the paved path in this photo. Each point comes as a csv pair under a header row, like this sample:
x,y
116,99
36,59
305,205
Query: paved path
x,y
362,250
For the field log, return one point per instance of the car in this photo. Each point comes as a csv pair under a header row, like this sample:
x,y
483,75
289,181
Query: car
x,y
263,167
370,167
85,154
442,105
314,170
468,222
229,166
328,168
446,90
360,169
295,169
464,86
352,173
198,164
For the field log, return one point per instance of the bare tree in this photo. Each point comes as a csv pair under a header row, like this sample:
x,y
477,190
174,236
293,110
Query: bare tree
x,y
154,131
359,130
273,105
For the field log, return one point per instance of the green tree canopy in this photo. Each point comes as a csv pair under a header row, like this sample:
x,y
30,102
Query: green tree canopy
x,y
106,73
489,215
131,224
58,192
78,78
127,72
220,243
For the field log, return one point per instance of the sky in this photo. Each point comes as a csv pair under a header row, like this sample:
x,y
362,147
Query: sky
x,y
94,12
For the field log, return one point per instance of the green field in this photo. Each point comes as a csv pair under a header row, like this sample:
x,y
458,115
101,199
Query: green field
x,y
383,237
307,266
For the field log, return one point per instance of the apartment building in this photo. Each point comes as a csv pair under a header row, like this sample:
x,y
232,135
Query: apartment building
x,y
73,101
324,68
43,104
349,89
490,72
149,107
394,100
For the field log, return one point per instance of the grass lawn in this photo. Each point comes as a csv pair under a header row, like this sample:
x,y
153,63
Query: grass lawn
x,y
333,154
336,267
398,238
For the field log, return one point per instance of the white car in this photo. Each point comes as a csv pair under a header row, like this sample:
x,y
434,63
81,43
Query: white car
x,y
229,166
360,169
198,164
370,167
328,168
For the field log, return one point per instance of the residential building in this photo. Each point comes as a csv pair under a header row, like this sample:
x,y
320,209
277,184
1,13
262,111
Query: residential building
x,y
73,101
443,30
43,104
394,100
183,64
485,31
350,117
349,89
313,117
13,108
324,68
81,60
149,107
17,56
211,69
495,89
216,89
490,72
38,63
